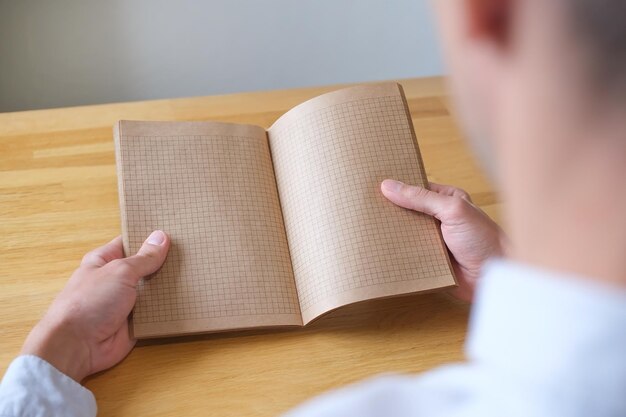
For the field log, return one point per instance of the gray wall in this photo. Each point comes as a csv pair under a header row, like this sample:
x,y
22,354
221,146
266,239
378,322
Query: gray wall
x,y
71,52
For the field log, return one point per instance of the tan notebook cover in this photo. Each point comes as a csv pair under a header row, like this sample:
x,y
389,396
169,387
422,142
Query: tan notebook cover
x,y
277,227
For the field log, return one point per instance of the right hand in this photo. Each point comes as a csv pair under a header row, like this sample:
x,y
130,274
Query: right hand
x,y
470,235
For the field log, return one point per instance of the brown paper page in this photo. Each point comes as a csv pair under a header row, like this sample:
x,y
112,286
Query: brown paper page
x,y
347,242
211,187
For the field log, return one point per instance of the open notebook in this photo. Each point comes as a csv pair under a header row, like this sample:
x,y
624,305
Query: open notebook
x,y
276,227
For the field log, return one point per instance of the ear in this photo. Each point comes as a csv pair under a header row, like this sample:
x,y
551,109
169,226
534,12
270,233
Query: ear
x,y
490,20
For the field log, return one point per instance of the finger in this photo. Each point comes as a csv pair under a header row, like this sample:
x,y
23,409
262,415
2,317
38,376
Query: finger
x,y
415,198
104,254
150,256
451,191
122,341
113,349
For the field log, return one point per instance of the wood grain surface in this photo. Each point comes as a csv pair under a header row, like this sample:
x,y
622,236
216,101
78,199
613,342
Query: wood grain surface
x,y
58,199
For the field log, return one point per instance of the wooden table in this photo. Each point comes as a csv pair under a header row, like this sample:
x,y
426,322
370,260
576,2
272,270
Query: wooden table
x,y
58,199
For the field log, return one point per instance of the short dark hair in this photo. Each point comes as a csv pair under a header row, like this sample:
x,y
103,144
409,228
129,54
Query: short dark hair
x,y
601,25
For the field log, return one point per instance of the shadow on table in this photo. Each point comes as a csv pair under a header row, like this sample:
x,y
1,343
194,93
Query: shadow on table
x,y
366,315
420,326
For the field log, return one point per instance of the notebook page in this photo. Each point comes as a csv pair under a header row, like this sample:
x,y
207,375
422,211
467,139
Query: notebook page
x,y
347,242
211,187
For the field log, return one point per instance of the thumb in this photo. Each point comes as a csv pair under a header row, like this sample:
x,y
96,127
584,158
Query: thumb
x,y
150,256
415,198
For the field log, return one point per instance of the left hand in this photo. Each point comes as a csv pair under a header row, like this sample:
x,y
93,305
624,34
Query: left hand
x,y
85,329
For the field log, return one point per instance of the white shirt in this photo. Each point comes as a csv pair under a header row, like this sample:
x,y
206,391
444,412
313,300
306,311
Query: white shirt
x,y
540,344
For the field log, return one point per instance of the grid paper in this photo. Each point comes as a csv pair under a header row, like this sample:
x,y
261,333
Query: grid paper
x,y
344,236
216,198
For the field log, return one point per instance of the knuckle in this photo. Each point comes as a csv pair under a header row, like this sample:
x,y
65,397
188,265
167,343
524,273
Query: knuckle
x,y
414,193
121,267
458,207
88,257
465,195
149,255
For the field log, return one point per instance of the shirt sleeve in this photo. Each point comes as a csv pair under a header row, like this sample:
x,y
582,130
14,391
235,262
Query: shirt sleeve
x,y
540,344
32,387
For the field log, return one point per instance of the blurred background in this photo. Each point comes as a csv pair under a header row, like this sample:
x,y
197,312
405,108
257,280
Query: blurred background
x,y
74,52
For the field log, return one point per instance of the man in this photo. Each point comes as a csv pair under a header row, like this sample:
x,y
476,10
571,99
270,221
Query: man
x,y
540,87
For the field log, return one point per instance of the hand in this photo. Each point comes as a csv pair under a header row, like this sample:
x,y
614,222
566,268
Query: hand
x,y
86,328
470,235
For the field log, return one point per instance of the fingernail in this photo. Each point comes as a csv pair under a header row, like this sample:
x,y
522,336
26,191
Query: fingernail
x,y
156,238
392,185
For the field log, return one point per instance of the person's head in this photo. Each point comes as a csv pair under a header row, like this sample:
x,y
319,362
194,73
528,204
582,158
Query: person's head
x,y
540,89
518,66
